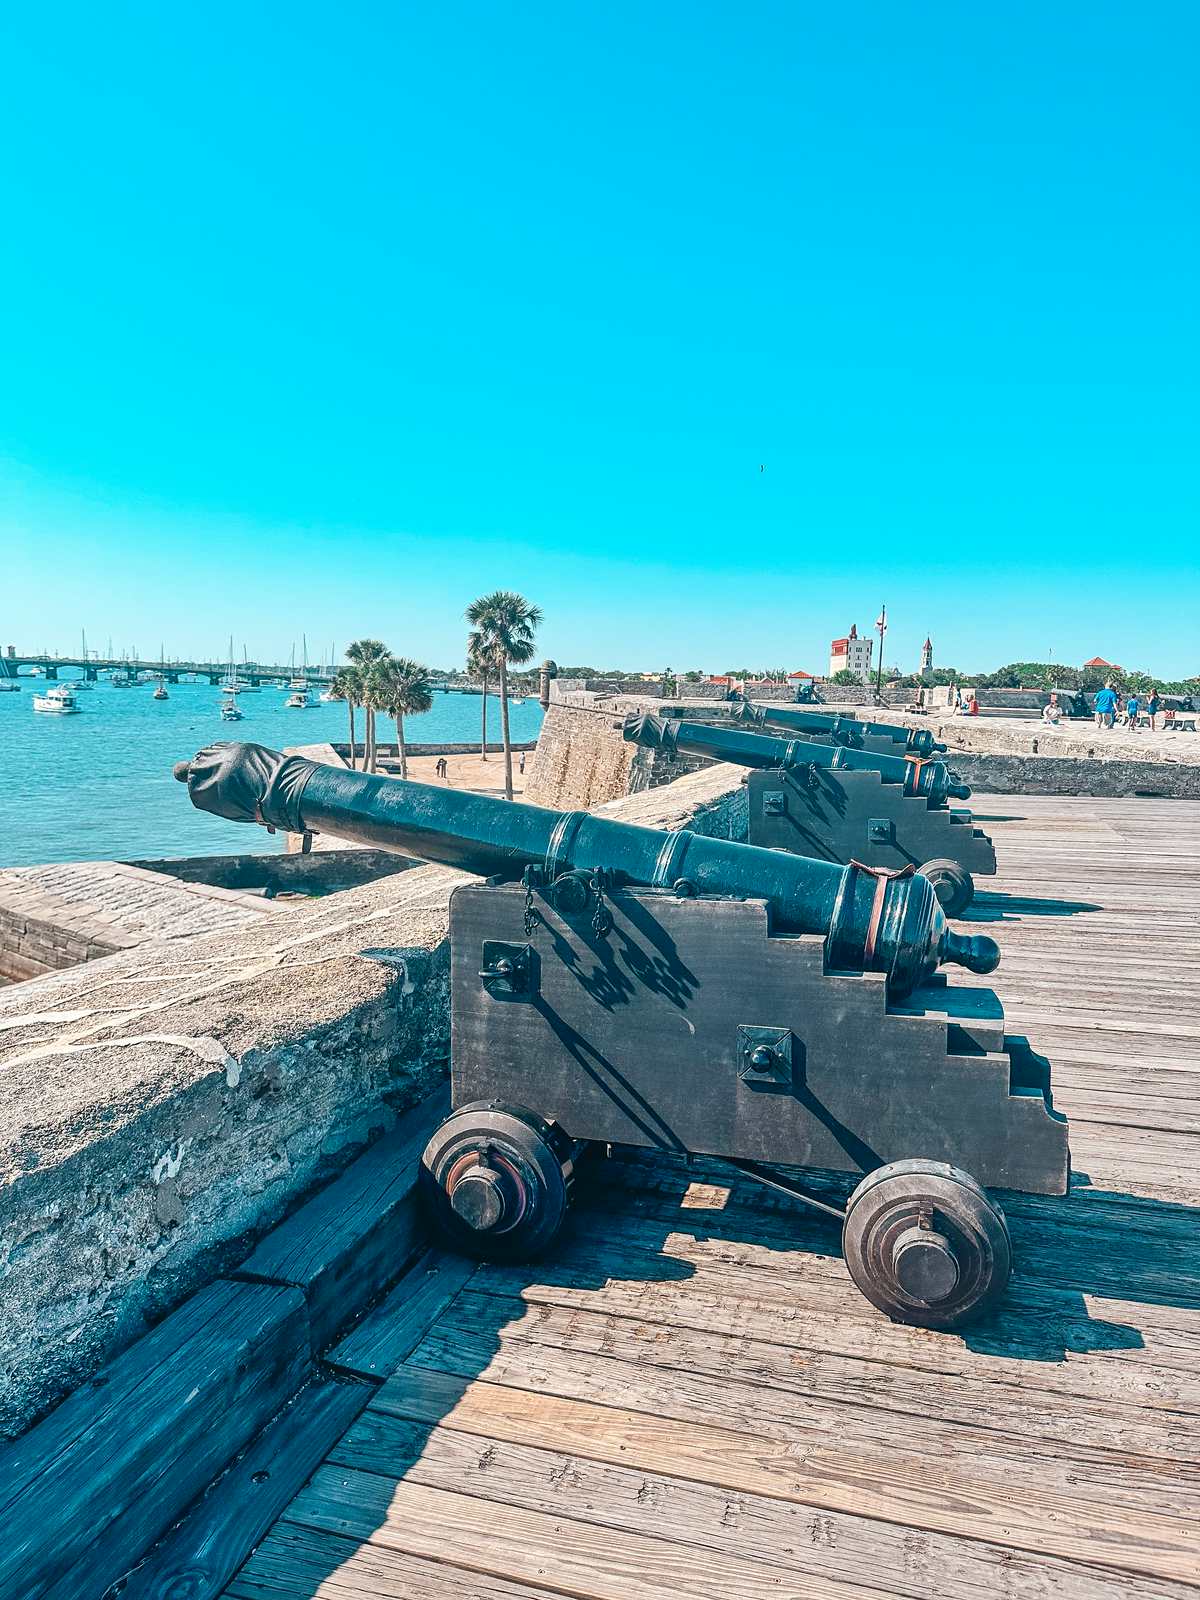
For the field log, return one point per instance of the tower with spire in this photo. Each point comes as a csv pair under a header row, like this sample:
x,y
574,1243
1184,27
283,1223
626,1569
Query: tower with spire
x,y
927,660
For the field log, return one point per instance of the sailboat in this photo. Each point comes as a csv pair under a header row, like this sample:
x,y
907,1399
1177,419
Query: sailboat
x,y
160,691
83,684
301,682
245,687
327,693
231,684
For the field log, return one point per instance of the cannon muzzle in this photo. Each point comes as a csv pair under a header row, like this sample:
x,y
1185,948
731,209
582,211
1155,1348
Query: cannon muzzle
x,y
871,920
932,780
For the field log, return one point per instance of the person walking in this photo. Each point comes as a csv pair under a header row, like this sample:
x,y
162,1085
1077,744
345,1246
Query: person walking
x,y
1105,706
521,763
1132,707
1152,709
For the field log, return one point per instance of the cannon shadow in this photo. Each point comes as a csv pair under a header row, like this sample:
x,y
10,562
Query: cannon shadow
x,y
655,1222
996,905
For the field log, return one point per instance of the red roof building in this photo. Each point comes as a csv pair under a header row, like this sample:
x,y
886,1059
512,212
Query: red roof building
x,y
1099,661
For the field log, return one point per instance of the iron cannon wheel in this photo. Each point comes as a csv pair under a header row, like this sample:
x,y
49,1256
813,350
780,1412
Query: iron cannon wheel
x,y
925,1244
496,1181
952,883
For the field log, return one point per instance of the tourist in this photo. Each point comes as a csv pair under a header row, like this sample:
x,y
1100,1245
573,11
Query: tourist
x,y
1152,709
1132,706
521,763
1105,706
1052,711
973,705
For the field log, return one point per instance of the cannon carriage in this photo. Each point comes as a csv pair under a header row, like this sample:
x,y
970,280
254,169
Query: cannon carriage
x,y
620,985
840,802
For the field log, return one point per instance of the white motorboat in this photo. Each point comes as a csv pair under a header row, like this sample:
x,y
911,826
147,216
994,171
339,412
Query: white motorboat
x,y
230,712
160,693
298,701
57,701
8,687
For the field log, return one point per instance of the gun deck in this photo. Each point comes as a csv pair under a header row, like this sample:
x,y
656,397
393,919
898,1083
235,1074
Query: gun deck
x,y
690,1397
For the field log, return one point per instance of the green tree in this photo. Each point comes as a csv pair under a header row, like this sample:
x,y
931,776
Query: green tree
x,y
364,654
347,685
845,676
480,665
402,687
506,623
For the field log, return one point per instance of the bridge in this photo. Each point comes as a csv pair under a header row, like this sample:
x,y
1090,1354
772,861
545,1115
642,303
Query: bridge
x,y
15,665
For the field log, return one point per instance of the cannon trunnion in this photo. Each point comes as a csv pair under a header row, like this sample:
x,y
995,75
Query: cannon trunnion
x,y
588,1014
839,815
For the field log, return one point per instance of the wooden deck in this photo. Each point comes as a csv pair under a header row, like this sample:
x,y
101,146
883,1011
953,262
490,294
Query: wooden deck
x,y
690,1399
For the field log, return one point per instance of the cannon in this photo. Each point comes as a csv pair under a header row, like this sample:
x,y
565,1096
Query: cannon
x,y
838,803
831,727
616,985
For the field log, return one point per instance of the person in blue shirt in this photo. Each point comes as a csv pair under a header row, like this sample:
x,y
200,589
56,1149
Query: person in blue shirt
x,y
1132,707
1105,706
1152,710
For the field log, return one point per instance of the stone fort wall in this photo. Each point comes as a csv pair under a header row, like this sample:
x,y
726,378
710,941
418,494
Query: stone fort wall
x,y
582,761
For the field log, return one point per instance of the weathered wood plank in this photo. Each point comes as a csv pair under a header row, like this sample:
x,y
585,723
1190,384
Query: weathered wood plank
x,y
381,1341
812,1469
784,1536
146,1436
975,1459
579,1557
1061,1350
356,1235
201,1553
295,1563
887,1391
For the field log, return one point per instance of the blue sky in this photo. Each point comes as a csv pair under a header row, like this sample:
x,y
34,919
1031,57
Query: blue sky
x,y
326,319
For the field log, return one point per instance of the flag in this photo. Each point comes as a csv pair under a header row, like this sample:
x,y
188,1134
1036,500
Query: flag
x,y
881,620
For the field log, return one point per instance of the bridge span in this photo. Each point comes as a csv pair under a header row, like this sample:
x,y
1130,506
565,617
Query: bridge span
x,y
14,664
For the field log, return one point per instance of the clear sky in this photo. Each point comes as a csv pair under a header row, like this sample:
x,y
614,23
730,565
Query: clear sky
x,y
327,318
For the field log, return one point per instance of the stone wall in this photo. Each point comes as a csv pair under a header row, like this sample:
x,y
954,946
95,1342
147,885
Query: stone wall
x,y
68,912
164,1107
582,760
1075,775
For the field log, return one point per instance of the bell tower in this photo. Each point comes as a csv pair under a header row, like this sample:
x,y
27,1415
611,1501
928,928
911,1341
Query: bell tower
x,y
927,660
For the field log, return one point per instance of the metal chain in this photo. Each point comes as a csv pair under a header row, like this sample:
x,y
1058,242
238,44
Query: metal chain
x,y
602,917
530,913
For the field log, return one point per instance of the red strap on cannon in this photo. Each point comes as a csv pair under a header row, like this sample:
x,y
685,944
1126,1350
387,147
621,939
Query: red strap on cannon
x,y
883,876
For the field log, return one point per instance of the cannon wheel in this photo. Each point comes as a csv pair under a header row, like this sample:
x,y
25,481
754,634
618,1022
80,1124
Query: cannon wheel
x,y
952,883
495,1181
925,1244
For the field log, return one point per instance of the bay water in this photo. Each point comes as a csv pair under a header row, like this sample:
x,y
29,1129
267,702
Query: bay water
x,y
98,786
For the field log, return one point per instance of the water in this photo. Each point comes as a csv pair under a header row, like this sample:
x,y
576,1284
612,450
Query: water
x,y
99,786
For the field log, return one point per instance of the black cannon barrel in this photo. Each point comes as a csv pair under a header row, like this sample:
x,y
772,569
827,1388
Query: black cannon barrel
x,y
871,921
841,729
930,779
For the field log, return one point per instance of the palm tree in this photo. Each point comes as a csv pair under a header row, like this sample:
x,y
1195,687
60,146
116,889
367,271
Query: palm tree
x,y
479,665
347,685
364,653
403,689
505,622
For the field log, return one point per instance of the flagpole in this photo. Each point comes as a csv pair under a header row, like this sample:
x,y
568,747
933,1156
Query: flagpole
x,y
881,625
